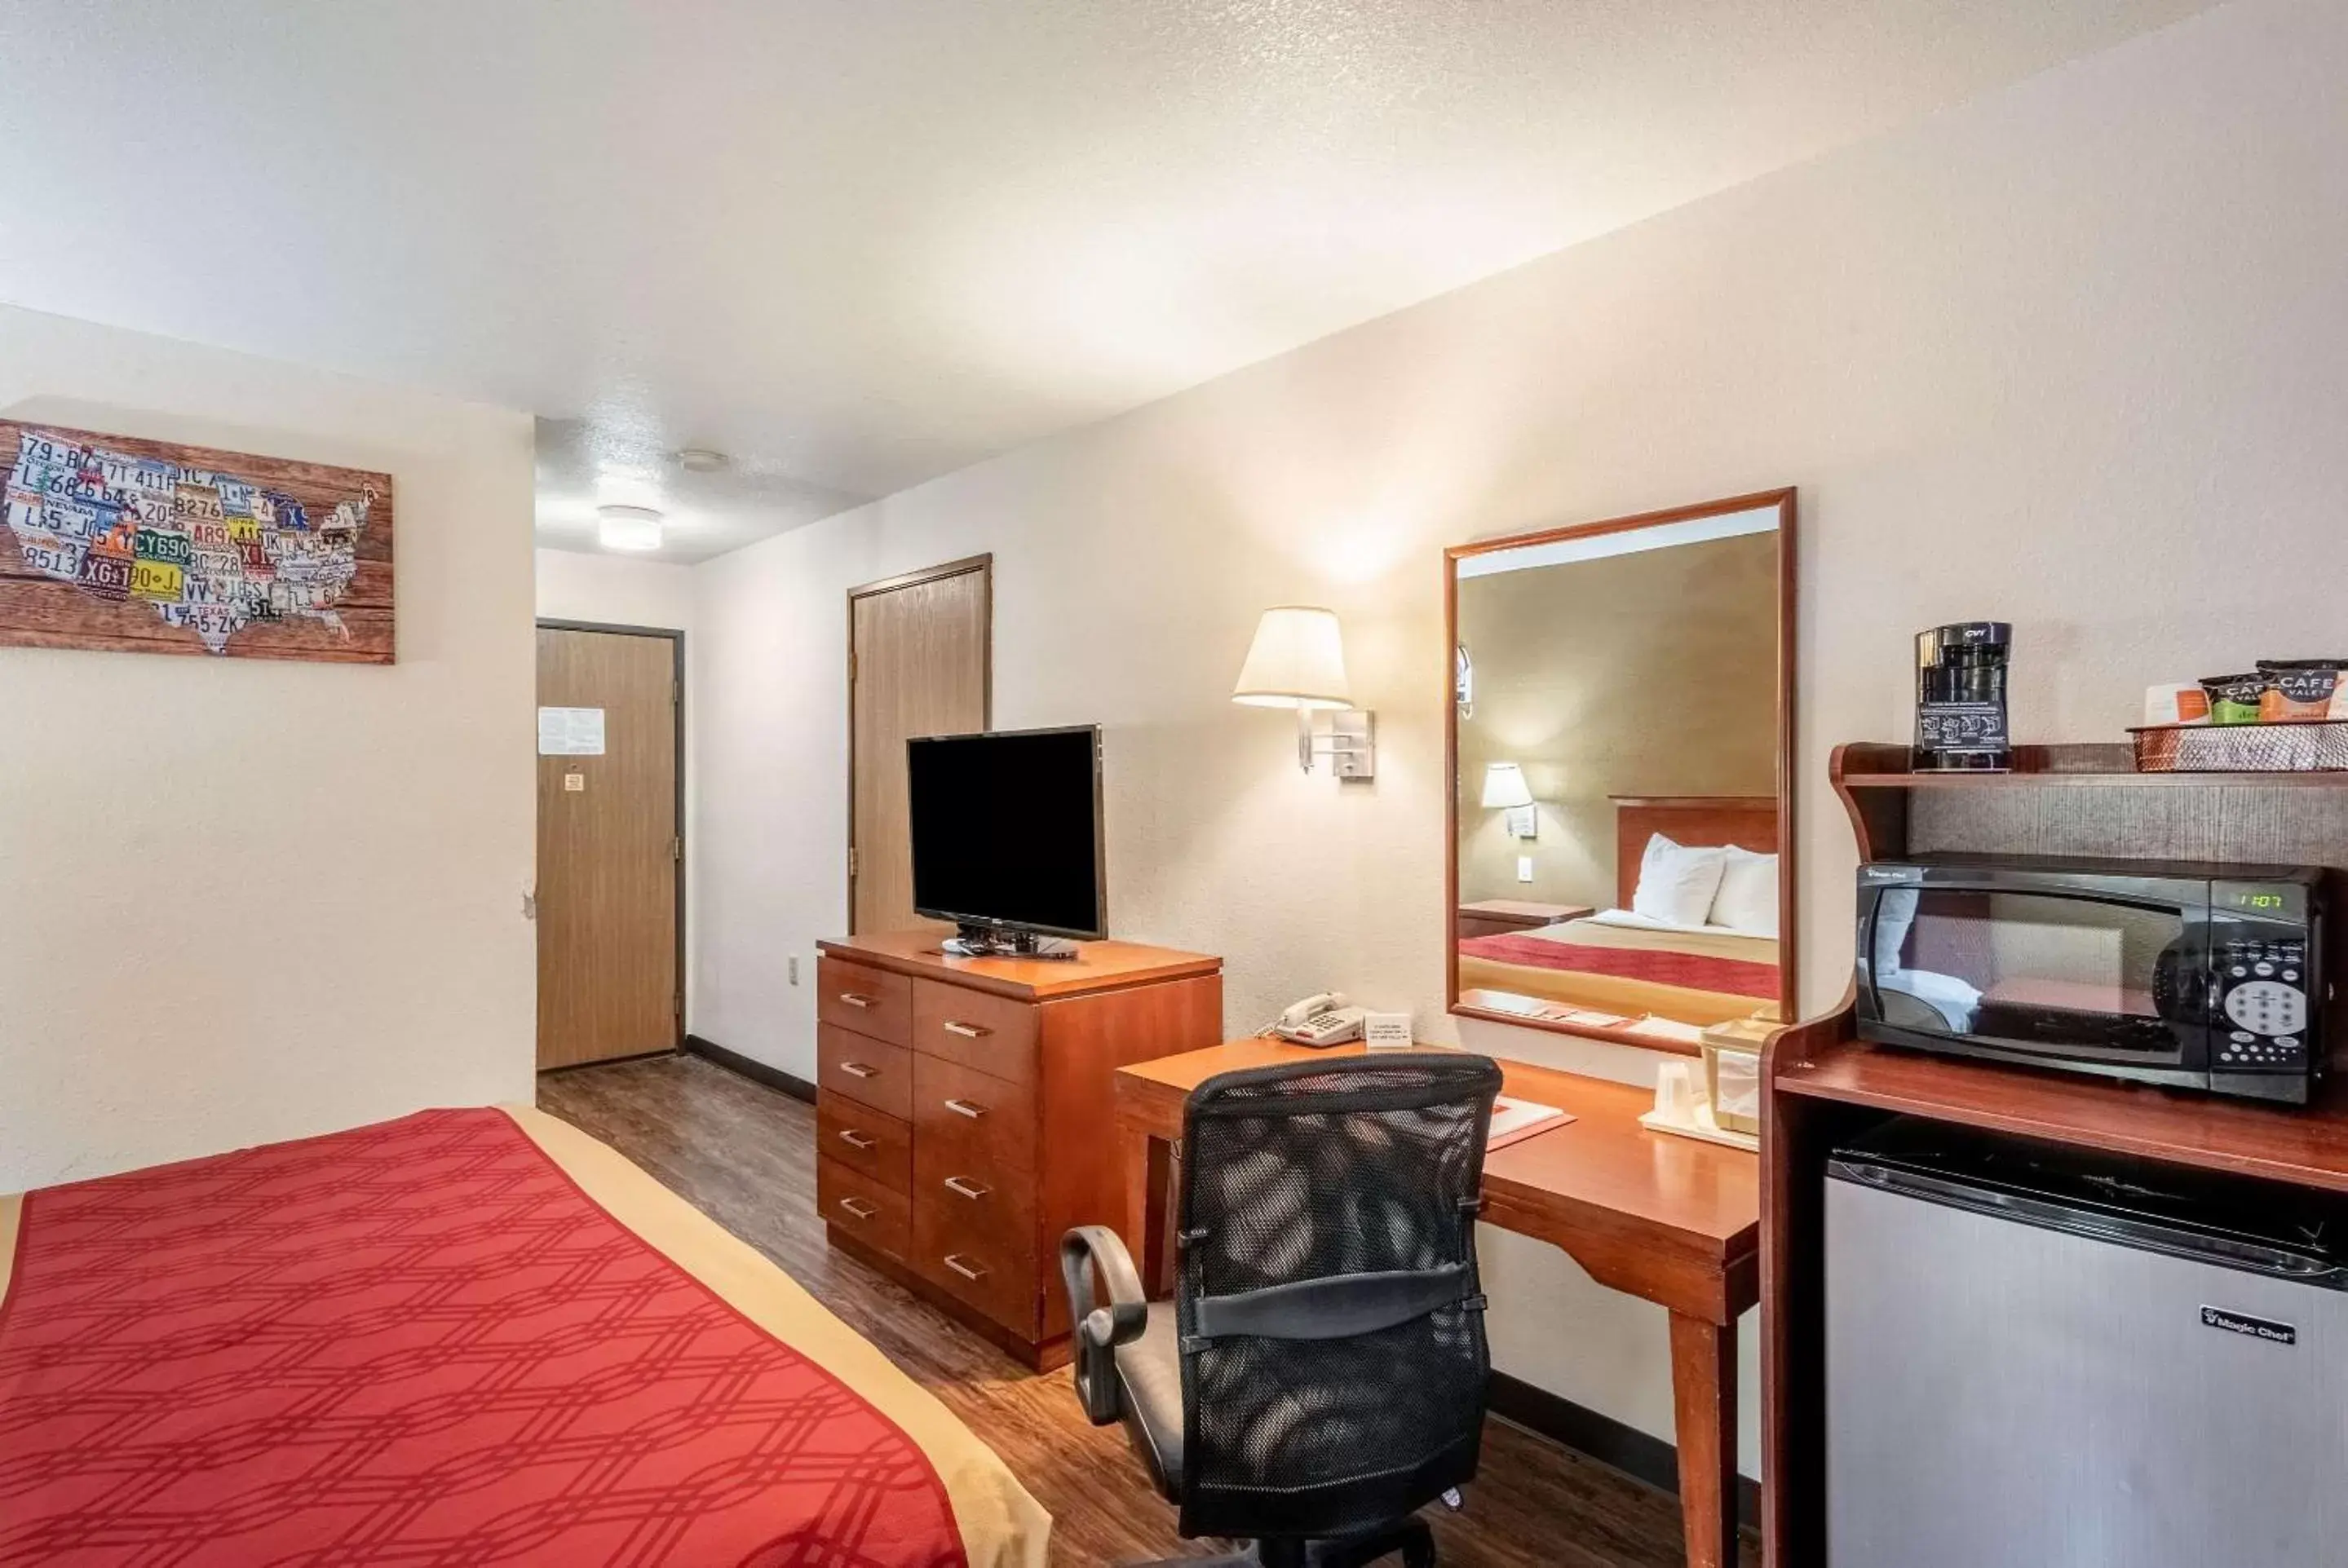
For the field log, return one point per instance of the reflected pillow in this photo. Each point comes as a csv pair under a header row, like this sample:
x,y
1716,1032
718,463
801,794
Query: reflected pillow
x,y
1748,899
1677,883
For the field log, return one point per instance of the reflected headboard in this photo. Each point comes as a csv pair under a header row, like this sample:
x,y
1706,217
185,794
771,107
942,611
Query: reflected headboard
x,y
1746,821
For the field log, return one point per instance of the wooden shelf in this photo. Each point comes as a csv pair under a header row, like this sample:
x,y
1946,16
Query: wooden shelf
x,y
2305,1145
1824,1086
1875,766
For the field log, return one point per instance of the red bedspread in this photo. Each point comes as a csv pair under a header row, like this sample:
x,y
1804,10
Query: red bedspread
x,y
1659,966
415,1343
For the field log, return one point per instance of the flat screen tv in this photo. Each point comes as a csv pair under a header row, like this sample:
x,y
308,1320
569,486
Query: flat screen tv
x,y
1006,836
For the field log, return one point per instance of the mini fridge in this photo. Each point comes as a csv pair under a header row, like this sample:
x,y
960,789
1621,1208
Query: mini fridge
x,y
2038,1358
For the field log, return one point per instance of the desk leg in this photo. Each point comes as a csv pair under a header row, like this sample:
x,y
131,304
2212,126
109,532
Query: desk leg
x,y
1704,1401
1150,1171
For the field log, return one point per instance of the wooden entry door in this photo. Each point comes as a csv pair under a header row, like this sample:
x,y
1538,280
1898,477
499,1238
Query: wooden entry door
x,y
608,852
918,657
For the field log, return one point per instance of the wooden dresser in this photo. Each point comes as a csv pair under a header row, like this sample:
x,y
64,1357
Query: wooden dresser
x,y
966,1114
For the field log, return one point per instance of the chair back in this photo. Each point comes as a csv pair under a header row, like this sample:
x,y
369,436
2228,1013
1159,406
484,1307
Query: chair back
x,y
1331,1321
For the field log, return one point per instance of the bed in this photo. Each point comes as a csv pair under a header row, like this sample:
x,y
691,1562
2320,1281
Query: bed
x,y
1615,966
464,1337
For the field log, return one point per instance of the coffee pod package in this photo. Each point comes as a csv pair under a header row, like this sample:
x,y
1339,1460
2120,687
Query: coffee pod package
x,y
2234,699
2300,691
2184,703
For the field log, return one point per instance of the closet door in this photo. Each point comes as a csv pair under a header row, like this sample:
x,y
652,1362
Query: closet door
x,y
918,657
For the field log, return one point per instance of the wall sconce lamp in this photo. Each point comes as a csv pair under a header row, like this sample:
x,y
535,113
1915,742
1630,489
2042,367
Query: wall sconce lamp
x,y
1298,660
1504,790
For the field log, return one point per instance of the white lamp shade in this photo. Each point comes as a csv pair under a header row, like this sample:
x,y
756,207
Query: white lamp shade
x,y
627,527
1505,786
1297,661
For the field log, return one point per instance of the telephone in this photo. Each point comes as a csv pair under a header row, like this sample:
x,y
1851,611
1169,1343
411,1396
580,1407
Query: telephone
x,y
1323,1018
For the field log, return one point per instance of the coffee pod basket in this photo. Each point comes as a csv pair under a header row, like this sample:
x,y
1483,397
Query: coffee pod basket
x,y
2305,747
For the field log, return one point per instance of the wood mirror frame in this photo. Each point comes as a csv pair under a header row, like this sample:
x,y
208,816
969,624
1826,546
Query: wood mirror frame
x,y
1730,813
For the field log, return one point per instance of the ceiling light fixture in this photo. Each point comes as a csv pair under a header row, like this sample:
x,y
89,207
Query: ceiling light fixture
x,y
628,527
701,460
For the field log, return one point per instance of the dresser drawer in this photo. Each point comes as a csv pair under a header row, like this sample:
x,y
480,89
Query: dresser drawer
x,y
872,1002
863,1208
983,1123
878,1075
1001,1286
995,1034
991,1208
866,1141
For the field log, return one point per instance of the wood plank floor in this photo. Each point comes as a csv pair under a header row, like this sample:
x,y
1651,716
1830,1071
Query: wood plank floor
x,y
745,1154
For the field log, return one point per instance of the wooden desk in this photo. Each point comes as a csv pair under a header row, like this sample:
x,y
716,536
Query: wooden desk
x,y
1670,1219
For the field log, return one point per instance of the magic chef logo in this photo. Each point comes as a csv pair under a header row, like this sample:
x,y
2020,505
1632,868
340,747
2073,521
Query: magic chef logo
x,y
2255,1327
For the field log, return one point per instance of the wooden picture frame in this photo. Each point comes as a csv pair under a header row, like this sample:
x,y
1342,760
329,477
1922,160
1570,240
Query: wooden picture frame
x,y
1789,928
116,543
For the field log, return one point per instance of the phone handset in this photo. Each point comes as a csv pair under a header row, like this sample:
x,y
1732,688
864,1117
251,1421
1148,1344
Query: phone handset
x,y
1317,1003
1322,1018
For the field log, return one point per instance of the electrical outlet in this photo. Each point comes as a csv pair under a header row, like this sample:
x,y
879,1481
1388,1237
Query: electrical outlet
x,y
1524,869
795,969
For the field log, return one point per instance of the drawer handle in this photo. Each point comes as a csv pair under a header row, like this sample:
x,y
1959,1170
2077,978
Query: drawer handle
x,y
862,1211
858,1069
855,1001
964,1108
967,1031
954,1262
956,1185
855,1140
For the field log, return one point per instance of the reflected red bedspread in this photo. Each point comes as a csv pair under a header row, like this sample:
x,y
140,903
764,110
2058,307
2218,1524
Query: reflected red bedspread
x,y
415,1343
1660,965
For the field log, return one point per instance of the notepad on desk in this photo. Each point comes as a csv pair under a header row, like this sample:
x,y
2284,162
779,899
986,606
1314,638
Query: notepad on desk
x,y
1514,1120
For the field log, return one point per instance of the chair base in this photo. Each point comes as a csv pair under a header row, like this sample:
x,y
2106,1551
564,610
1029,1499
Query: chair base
x,y
1411,1537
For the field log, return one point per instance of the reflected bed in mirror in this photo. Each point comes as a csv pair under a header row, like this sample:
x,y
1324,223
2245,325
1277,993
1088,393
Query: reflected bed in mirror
x,y
1620,835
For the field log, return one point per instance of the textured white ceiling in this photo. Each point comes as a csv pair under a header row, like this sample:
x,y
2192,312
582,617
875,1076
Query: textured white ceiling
x,y
858,243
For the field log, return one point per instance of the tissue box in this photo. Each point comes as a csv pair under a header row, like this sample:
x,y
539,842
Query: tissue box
x,y
1731,1072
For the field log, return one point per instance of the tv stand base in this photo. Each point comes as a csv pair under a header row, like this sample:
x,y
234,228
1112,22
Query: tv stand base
x,y
985,942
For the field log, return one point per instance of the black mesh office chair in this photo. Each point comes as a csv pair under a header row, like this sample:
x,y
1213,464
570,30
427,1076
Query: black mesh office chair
x,y
1319,1376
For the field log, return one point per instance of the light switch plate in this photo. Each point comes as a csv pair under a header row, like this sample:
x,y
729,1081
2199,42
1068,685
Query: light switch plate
x,y
1524,869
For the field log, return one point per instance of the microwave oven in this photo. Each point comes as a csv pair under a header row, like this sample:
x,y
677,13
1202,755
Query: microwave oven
x,y
2197,977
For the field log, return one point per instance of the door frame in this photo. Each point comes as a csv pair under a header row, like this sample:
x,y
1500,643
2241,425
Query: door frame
x,y
984,565
677,675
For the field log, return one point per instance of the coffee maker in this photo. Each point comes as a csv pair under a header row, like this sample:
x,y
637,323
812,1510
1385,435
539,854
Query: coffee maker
x,y
1961,698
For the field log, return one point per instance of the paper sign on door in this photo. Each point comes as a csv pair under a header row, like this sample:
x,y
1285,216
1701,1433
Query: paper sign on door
x,y
570,732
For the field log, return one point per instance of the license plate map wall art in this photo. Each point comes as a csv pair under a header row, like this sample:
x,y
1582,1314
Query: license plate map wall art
x,y
149,546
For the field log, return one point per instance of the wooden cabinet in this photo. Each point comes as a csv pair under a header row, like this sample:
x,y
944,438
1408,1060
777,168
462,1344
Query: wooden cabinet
x,y
1499,916
966,1113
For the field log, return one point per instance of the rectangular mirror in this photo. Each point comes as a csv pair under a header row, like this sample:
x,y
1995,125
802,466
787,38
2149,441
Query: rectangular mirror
x,y
1621,854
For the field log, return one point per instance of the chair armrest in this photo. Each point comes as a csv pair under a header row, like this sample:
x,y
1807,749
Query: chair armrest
x,y
1099,1330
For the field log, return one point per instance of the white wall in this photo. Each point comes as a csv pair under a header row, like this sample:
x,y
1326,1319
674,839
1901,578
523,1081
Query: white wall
x,y
616,590
240,899
2074,355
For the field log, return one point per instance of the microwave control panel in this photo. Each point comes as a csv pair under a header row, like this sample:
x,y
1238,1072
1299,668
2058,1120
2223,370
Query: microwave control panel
x,y
2263,1010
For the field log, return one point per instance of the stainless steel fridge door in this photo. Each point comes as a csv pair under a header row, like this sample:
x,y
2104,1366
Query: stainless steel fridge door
x,y
2000,1395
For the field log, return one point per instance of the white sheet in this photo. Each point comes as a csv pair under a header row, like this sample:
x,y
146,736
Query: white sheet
x,y
1649,923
